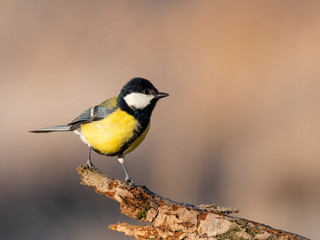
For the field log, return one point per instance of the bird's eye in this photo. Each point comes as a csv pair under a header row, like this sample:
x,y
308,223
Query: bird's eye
x,y
146,91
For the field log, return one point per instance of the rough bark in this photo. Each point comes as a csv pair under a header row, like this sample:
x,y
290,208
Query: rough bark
x,y
172,220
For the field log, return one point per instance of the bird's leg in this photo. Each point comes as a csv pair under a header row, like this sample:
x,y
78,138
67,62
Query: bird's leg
x,y
121,161
89,163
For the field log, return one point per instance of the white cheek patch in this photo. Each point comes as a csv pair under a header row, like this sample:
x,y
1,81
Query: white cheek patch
x,y
138,100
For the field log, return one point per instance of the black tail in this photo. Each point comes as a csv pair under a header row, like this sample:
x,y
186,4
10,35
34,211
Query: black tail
x,y
62,128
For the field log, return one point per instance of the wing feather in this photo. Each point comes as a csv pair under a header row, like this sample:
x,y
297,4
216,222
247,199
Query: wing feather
x,y
95,113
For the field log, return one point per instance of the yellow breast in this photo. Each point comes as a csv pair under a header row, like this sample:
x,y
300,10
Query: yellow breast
x,y
111,133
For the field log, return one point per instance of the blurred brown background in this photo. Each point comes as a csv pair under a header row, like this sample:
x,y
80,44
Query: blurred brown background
x,y
241,127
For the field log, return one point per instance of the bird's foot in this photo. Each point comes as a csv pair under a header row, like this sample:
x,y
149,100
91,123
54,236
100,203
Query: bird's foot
x,y
129,180
90,166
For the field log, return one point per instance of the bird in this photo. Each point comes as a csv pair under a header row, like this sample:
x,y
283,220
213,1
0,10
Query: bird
x,y
118,125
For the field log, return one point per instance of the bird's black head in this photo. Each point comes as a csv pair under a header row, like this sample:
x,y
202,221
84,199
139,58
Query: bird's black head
x,y
139,96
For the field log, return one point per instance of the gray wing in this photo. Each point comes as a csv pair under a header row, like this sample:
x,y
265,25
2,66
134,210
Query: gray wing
x,y
95,113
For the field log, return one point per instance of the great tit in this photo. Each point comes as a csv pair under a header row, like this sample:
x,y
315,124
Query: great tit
x,y
118,125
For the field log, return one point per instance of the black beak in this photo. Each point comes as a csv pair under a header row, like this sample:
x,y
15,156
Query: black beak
x,y
162,95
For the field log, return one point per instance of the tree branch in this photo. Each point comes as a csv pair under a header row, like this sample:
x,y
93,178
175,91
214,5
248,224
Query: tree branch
x,y
173,220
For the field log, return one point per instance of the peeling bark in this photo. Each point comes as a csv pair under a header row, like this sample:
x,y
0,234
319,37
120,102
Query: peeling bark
x,y
173,220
